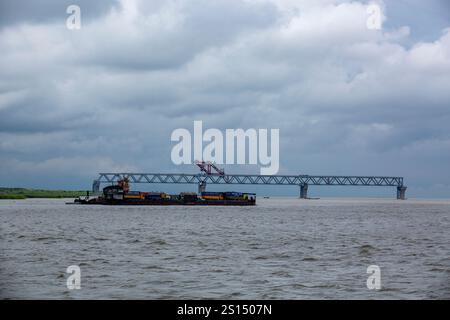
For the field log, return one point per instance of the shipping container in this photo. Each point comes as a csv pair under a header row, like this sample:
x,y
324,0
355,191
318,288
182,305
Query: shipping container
x,y
132,196
219,197
212,193
232,193
133,193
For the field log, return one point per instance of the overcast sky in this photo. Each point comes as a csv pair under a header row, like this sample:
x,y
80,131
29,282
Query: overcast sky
x,y
348,100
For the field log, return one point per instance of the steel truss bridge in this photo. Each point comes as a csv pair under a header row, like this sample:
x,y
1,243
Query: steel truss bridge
x,y
302,181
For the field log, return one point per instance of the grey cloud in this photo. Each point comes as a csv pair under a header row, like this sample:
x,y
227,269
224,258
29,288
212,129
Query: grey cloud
x,y
346,100
170,36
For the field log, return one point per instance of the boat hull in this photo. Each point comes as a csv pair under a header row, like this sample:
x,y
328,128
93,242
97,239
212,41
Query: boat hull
x,y
165,202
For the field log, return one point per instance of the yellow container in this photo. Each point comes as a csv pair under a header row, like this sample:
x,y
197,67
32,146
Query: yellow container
x,y
212,197
132,196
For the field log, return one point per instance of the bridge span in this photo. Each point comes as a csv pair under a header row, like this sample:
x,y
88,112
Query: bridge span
x,y
302,181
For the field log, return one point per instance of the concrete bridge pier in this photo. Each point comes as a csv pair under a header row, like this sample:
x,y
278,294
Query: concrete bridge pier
x,y
401,193
304,191
96,186
201,187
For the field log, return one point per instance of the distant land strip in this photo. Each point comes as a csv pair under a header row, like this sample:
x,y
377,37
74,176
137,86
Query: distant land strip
x,y
23,193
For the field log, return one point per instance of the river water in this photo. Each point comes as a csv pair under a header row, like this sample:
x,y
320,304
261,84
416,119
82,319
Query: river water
x,y
280,249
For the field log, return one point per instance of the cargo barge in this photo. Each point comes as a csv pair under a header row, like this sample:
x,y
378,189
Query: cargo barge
x,y
121,195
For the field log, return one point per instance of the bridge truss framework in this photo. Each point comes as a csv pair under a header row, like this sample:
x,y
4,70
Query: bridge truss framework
x,y
303,181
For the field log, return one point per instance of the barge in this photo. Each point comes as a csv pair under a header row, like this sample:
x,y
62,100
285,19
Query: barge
x,y
121,195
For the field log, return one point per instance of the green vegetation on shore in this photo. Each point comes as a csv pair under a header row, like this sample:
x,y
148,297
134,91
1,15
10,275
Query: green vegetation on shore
x,y
22,193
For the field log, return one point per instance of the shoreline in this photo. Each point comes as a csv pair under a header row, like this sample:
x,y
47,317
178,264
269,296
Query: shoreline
x,y
26,193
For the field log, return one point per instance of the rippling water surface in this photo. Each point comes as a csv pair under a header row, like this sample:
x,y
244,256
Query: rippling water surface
x,y
279,249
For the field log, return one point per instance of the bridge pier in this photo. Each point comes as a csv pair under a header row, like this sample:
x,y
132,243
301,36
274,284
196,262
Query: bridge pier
x,y
96,186
201,187
304,191
401,193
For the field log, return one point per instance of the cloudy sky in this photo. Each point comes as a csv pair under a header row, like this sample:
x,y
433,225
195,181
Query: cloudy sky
x,y
347,99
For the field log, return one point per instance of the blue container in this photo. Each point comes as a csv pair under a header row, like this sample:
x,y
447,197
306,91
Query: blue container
x,y
212,193
153,196
233,194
